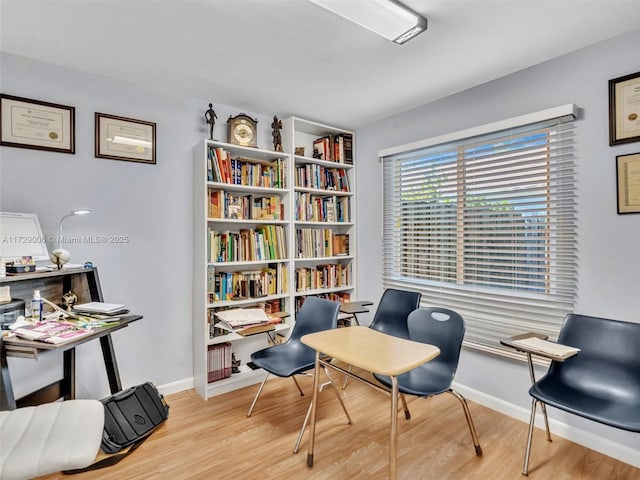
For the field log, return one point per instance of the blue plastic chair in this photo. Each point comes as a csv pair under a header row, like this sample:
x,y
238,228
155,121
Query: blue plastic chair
x,y
293,357
445,329
393,310
600,383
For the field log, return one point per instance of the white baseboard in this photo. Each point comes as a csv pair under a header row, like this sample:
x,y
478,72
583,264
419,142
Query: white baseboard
x,y
175,387
587,439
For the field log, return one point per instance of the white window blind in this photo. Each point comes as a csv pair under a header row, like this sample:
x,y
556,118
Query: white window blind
x,y
485,225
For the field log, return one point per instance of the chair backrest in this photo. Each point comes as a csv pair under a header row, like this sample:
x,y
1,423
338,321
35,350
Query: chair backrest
x,y
315,315
443,328
393,310
609,359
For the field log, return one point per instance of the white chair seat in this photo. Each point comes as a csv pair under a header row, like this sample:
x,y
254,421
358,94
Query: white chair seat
x,y
49,438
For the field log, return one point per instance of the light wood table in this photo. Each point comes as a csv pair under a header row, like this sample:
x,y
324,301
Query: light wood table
x,y
375,352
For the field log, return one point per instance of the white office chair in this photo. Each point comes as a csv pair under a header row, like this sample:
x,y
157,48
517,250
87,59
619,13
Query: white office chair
x,y
49,438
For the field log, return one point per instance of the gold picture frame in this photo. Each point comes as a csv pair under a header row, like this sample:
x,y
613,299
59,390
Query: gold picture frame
x,y
628,179
121,138
35,124
624,109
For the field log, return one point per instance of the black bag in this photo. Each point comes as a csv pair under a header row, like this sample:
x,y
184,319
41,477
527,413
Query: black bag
x,y
130,416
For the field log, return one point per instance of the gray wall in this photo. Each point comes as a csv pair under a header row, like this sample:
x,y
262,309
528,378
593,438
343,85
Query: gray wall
x,y
151,204
608,281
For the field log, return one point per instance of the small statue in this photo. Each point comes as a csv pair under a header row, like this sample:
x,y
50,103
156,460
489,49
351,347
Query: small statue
x,y
317,154
235,363
276,126
69,299
210,116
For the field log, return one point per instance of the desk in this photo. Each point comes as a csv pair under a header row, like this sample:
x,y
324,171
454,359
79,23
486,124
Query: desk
x,y
66,386
353,308
375,352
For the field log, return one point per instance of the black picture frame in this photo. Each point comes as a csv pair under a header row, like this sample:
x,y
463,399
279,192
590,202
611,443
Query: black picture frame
x,y
624,109
628,183
122,138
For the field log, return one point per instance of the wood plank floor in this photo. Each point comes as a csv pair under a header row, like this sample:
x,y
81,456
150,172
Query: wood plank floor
x,y
216,440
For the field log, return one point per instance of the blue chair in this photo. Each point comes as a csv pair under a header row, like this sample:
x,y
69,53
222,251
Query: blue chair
x,y
445,329
293,357
600,383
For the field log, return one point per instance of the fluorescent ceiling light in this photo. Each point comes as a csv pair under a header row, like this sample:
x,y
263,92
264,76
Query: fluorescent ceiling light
x,y
387,18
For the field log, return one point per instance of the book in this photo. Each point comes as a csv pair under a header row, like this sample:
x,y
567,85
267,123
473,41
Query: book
x,y
51,331
101,307
545,347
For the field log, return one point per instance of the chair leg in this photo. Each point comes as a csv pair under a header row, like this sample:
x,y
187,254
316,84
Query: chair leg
x,y
306,418
253,404
472,428
297,385
546,420
346,378
527,453
407,413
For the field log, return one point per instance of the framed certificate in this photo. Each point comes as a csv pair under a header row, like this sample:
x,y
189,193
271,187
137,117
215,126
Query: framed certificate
x,y
628,174
624,109
28,123
120,138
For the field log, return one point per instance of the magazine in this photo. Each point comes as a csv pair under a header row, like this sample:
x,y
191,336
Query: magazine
x,y
51,331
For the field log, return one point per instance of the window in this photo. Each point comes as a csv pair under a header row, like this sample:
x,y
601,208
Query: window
x,y
483,222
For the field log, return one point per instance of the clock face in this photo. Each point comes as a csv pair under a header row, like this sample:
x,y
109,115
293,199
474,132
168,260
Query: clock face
x,y
242,130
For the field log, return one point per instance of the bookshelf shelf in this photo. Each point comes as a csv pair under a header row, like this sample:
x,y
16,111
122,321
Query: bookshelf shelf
x,y
323,209
232,185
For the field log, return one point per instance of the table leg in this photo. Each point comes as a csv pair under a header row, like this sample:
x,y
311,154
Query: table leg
x,y
7,400
109,355
393,443
314,404
69,373
543,407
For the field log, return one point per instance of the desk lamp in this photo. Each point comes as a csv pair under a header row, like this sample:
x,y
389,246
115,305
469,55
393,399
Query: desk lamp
x,y
60,256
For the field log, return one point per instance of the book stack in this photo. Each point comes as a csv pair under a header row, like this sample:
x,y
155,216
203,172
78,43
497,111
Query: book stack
x,y
218,362
51,331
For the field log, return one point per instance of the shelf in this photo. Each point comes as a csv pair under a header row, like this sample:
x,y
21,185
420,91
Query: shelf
x,y
249,153
325,193
247,263
246,188
247,301
246,221
234,337
335,258
323,290
309,223
299,160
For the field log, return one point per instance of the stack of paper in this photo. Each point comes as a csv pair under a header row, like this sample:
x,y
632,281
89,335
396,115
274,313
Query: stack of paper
x,y
242,317
101,307
51,331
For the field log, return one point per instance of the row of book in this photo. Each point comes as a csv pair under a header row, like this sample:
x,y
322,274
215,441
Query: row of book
x,y
323,276
223,204
322,208
219,361
271,280
333,296
249,244
317,176
335,148
316,242
244,171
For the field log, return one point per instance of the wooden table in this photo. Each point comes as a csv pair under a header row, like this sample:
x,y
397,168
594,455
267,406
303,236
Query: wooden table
x,y
353,308
375,352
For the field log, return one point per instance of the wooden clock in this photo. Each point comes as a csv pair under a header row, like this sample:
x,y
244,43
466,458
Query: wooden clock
x,y
243,130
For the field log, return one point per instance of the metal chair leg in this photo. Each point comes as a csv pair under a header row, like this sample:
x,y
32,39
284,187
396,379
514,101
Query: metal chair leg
x,y
346,378
405,407
297,385
253,404
546,420
306,418
467,414
525,467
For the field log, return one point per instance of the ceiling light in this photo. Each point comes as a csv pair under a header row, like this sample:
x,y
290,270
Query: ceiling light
x,y
387,18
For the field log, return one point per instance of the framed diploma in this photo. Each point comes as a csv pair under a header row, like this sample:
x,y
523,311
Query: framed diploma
x,y
28,123
624,109
120,138
628,174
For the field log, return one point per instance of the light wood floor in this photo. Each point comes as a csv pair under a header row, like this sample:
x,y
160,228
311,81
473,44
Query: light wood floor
x,y
215,440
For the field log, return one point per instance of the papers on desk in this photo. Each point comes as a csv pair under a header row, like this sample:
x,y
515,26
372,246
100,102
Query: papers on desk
x,y
51,331
101,307
545,347
242,317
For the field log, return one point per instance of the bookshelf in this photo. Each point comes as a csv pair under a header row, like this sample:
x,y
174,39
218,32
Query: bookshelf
x,y
323,210
242,256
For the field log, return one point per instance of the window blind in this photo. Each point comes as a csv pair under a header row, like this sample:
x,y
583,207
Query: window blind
x,y
486,225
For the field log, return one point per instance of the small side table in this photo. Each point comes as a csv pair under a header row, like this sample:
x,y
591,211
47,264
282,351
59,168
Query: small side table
x,y
509,342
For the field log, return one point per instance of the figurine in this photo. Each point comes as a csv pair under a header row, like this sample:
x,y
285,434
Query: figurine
x,y
210,116
276,125
235,363
69,299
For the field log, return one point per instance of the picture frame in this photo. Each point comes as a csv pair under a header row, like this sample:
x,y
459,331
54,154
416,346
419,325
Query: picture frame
x,y
36,124
624,109
628,183
121,138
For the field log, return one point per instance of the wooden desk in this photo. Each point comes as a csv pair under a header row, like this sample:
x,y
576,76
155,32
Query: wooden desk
x,y
353,308
66,386
375,352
